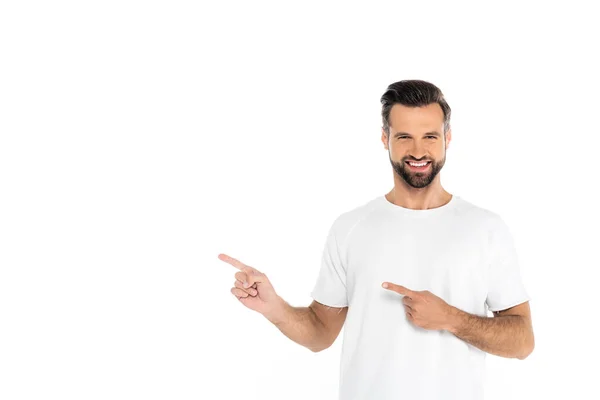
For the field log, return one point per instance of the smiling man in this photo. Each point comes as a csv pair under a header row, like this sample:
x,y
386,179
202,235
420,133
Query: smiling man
x,y
417,268
410,275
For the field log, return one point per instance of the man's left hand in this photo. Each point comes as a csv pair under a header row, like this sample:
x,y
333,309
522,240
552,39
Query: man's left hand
x,y
424,308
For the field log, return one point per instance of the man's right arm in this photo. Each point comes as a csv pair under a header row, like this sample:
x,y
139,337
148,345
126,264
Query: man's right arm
x,y
315,327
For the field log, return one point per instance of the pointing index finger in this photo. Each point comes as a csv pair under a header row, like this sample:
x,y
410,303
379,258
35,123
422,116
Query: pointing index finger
x,y
230,260
399,289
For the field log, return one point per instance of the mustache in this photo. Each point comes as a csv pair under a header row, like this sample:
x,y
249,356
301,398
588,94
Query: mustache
x,y
407,160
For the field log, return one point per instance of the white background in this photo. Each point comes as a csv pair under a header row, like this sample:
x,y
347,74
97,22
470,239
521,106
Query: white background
x,y
141,139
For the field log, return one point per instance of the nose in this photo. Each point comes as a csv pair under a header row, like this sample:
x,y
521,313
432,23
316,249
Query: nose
x,y
417,151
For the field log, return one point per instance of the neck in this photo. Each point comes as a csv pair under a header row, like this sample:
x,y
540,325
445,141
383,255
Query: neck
x,y
419,199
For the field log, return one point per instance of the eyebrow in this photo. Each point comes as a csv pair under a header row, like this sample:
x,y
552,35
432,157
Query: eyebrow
x,y
435,133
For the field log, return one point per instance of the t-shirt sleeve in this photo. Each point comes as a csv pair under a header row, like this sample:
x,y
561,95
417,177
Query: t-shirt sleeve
x,y
330,287
505,284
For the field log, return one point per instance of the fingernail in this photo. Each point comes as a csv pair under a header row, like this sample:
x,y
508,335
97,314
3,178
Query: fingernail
x,y
385,285
246,284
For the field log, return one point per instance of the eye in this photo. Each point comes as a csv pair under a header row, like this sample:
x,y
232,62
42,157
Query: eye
x,y
430,137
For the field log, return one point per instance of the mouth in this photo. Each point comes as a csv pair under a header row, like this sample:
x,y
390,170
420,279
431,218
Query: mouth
x,y
418,166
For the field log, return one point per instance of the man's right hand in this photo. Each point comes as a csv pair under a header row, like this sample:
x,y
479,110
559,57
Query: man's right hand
x,y
253,289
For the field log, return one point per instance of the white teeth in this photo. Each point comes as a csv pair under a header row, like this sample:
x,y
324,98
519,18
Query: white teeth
x,y
418,165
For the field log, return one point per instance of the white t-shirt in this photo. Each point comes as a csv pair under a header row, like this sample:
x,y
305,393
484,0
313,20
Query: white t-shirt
x,y
460,252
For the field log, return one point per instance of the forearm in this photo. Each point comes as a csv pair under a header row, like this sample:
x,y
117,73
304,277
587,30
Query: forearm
x,y
301,325
505,336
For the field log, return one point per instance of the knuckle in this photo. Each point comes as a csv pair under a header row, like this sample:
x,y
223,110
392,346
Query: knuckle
x,y
248,290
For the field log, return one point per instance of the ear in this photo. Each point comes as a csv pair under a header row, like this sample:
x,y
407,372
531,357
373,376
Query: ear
x,y
448,137
384,138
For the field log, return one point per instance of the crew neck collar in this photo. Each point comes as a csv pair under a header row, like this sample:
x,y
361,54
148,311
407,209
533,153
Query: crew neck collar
x,y
419,213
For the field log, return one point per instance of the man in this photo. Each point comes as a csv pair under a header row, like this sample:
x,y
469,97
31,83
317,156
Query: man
x,y
409,275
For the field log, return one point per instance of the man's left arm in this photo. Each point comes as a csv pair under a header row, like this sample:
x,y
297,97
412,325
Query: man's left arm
x,y
508,334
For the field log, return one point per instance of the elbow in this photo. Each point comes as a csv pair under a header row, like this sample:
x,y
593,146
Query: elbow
x,y
527,350
318,349
524,355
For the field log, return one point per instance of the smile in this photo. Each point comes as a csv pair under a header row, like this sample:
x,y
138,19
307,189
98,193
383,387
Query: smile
x,y
419,166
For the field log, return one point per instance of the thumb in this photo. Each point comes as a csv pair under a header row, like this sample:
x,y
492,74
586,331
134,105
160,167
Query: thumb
x,y
254,276
398,289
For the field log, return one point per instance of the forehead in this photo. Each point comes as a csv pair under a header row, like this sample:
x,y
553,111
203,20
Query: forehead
x,y
429,117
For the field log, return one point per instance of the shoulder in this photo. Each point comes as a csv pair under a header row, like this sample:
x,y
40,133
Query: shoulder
x,y
348,220
492,227
482,216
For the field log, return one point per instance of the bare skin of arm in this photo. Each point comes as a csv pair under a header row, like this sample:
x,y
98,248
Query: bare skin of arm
x,y
508,334
315,327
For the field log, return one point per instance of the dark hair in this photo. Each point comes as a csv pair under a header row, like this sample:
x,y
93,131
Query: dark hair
x,y
413,93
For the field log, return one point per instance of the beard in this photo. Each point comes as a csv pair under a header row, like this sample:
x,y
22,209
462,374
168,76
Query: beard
x,y
418,180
